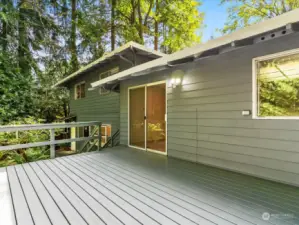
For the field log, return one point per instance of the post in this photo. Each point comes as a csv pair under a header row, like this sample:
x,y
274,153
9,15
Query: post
x,y
52,146
100,137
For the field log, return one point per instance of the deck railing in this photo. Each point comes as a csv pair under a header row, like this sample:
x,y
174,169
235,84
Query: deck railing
x,y
52,142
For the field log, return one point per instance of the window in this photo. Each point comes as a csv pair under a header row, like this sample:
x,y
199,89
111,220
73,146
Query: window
x,y
105,132
276,85
83,131
105,75
80,90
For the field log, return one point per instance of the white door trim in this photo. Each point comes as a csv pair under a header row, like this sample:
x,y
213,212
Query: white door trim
x,y
145,110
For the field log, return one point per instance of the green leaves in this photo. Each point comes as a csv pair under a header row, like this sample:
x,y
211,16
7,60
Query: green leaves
x,y
242,13
24,155
16,98
279,97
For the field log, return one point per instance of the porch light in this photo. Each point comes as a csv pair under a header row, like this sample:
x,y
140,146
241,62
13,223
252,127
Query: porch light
x,y
176,78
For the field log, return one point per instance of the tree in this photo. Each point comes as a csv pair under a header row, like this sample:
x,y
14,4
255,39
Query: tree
x,y
113,7
16,97
169,24
156,32
181,22
44,41
242,13
73,39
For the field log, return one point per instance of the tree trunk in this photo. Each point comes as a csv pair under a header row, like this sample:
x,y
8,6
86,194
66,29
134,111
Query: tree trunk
x,y
113,6
133,12
23,48
4,29
156,38
73,45
140,27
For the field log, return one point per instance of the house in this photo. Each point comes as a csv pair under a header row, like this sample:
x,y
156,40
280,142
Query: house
x,y
203,104
102,104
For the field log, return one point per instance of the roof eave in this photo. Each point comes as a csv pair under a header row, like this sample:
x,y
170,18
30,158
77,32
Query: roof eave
x,y
108,56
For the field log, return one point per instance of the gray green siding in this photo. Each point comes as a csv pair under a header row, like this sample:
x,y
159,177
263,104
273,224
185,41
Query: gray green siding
x,y
96,107
205,124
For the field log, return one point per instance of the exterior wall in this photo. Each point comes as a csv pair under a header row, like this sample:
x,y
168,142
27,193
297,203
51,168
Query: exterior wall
x,y
96,107
205,124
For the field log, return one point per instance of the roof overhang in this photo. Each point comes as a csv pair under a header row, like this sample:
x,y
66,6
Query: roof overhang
x,y
137,48
240,37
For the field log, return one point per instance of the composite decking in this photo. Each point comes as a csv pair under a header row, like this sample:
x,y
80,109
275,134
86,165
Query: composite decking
x,y
127,186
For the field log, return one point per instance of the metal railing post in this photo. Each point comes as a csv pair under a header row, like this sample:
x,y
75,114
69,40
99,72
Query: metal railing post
x,y
52,146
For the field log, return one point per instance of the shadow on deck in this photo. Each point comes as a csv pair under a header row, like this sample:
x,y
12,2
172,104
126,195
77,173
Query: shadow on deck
x,y
127,186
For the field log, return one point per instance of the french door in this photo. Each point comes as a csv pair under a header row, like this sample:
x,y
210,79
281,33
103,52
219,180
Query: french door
x,y
147,117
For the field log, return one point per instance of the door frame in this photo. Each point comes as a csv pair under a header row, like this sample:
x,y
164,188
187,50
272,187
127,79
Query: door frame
x,y
145,112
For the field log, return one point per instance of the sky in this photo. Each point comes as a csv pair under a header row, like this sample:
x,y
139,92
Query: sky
x,y
215,17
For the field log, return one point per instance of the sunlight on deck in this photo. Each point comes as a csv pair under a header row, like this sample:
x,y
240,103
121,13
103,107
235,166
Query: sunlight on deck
x,y
6,208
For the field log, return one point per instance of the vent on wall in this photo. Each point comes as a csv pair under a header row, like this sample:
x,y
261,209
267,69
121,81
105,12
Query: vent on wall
x,y
272,35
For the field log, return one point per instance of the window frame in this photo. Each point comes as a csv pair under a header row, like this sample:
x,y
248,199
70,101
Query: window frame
x,y
82,129
75,90
101,88
255,93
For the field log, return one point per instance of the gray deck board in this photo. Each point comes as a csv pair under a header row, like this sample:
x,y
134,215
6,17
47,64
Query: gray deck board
x,y
38,213
165,209
50,206
71,213
68,191
114,213
22,211
7,215
96,181
127,186
189,210
196,205
113,196
206,197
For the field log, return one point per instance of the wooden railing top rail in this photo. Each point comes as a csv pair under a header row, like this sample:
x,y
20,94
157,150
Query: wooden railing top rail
x,y
47,126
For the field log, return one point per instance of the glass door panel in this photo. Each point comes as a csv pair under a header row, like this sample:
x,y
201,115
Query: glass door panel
x,y
156,109
137,121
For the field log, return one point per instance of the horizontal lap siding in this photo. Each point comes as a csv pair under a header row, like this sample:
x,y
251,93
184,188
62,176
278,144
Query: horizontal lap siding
x,y
95,107
205,123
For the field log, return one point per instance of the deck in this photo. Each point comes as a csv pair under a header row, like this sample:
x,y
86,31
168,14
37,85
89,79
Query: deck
x,y
127,186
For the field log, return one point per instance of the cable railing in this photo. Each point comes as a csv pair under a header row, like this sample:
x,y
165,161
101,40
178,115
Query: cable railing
x,y
52,142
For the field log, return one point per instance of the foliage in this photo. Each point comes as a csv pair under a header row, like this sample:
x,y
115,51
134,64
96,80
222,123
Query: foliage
x,y
279,97
245,12
21,137
20,156
182,22
43,41
16,97
178,22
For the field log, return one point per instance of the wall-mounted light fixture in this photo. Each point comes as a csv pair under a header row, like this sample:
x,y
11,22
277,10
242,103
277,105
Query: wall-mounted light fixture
x,y
175,81
176,78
